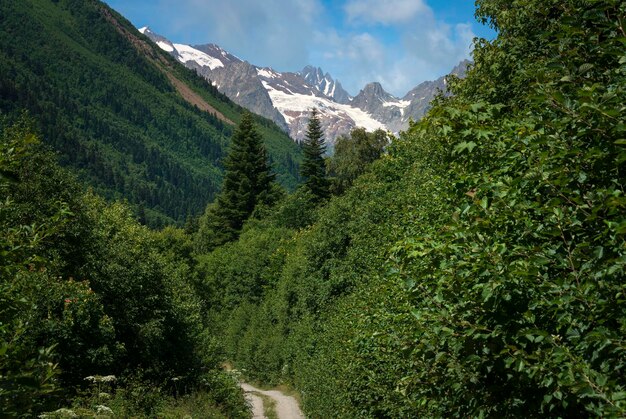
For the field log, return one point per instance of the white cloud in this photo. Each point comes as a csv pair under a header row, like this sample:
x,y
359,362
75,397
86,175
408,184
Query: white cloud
x,y
271,32
429,51
439,43
385,12
354,59
355,48
426,50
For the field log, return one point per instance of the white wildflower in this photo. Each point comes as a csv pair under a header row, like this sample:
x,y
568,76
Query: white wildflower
x,y
103,410
64,413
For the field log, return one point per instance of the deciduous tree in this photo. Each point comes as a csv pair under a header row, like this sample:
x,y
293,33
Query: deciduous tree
x,y
353,155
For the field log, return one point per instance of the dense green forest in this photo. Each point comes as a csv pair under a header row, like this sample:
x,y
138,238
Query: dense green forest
x,y
472,267
106,99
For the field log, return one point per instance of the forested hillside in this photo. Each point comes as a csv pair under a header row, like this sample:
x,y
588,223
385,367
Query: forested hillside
x,y
130,120
97,312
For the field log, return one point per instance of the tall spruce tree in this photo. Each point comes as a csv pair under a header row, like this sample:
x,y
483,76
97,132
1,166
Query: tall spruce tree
x,y
313,168
247,180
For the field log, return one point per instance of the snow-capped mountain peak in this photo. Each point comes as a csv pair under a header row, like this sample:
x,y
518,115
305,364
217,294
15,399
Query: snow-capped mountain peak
x,y
187,54
183,53
217,52
162,42
324,83
287,98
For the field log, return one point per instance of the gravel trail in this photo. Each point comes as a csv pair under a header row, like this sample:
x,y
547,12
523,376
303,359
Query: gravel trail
x,y
256,404
286,406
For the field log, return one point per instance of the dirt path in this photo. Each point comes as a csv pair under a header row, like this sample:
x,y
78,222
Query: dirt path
x,y
257,405
286,406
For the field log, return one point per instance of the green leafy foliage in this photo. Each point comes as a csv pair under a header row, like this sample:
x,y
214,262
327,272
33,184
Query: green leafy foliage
x,y
516,300
241,271
474,270
295,211
132,309
27,368
352,155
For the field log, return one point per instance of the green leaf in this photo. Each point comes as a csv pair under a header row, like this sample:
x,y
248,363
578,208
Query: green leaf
x,y
417,314
475,107
465,145
585,67
598,252
619,395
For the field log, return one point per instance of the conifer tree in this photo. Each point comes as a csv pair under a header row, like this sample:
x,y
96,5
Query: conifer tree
x,y
313,168
247,179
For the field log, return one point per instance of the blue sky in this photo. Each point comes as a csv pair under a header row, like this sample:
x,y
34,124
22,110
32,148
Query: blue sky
x,y
399,43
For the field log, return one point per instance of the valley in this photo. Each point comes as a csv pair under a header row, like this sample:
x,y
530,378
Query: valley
x,y
182,230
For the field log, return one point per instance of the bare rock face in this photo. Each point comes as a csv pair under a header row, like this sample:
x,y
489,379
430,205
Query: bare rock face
x,y
396,113
240,82
372,98
383,106
421,96
325,84
217,52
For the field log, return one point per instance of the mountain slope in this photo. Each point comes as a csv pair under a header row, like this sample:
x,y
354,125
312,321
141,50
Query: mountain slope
x,y
240,81
129,119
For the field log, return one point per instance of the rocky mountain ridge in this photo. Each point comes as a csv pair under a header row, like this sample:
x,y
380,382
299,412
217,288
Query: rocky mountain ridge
x,y
325,84
287,97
